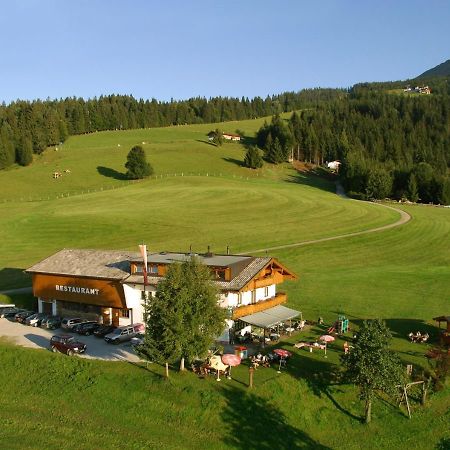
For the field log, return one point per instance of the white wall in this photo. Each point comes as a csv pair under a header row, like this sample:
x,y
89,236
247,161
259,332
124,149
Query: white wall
x,y
231,300
133,298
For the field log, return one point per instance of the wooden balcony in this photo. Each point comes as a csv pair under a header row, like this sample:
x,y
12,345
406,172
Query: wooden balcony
x,y
246,310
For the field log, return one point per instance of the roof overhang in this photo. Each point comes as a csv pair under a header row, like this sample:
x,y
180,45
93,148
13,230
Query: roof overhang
x,y
270,317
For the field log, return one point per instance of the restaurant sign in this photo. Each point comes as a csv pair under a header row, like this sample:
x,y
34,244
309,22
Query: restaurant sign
x,y
77,289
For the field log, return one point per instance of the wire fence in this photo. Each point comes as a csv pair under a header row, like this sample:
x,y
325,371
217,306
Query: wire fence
x,y
123,184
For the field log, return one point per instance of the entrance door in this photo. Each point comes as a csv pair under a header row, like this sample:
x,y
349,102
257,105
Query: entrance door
x,y
115,317
47,308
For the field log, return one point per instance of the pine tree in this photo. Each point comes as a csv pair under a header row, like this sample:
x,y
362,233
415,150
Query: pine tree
x,y
253,159
371,365
413,193
184,318
24,153
137,165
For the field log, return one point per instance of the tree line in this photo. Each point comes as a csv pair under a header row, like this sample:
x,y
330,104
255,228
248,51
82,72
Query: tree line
x,y
27,128
389,145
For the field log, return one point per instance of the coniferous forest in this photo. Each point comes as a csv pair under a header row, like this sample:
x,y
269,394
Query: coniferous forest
x,y
390,144
29,127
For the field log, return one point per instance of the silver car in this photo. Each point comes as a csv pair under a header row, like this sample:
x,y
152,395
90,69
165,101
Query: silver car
x,y
122,334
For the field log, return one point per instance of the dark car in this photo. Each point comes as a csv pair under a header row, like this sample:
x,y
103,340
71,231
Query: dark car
x,y
9,311
103,330
66,344
86,328
22,316
52,322
12,314
35,320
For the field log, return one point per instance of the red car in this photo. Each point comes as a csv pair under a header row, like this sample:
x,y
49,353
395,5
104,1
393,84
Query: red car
x,y
66,344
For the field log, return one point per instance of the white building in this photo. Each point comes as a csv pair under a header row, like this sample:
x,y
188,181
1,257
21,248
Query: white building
x,y
109,285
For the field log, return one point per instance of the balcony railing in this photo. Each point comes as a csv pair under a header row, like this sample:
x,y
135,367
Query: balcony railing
x,y
261,305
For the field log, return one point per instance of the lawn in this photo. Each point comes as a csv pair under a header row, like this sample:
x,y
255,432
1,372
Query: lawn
x,y
401,274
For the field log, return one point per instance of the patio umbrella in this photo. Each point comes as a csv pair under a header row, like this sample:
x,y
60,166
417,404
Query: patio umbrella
x,y
282,353
217,364
327,339
231,360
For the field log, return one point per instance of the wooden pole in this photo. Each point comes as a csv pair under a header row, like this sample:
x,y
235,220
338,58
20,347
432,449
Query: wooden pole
x,y
167,370
250,377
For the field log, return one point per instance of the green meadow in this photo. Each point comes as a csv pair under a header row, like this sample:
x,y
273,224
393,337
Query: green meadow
x,y
200,196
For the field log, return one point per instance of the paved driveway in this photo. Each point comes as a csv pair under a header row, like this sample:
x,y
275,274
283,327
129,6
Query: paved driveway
x,y
35,337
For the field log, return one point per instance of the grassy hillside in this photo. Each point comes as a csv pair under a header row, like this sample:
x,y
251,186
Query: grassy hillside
x,y
401,274
96,161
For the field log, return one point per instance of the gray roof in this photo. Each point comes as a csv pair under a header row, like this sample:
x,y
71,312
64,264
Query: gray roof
x,y
235,284
108,264
270,317
115,265
213,260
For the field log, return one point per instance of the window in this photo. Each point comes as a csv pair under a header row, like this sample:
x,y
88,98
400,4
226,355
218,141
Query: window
x,y
239,299
266,291
125,313
153,268
254,296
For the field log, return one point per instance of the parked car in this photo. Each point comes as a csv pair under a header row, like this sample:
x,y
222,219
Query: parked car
x,y
125,333
9,311
5,308
69,322
86,328
35,319
51,323
103,330
21,316
137,340
66,344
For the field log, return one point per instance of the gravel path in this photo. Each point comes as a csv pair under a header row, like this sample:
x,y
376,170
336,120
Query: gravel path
x,y
404,218
35,337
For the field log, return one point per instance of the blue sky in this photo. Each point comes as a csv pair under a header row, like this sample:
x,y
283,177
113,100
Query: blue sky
x,y
181,49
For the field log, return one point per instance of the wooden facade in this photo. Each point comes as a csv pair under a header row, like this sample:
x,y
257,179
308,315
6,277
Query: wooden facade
x,y
262,305
92,291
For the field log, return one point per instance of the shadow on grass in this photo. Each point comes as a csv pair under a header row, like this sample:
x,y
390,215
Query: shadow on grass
x,y
253,423
206,142
111,173
320,376
234,161
13,277
313,180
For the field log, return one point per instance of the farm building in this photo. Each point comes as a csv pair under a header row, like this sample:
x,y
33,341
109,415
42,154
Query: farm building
x,y
109,285
227,136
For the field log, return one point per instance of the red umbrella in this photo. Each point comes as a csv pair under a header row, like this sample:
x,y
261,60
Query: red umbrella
x,y
327,339
282,352
231,360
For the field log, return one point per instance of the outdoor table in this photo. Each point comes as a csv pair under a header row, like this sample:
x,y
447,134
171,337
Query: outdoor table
x,y
310,345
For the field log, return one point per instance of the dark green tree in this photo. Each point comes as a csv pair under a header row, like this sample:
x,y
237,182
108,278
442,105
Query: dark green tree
x,y
371,365
253,158
137,165
24,152
413,193
184,317
379,183
275,153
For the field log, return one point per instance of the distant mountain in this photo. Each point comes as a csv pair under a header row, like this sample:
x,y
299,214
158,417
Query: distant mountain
x,y
442,70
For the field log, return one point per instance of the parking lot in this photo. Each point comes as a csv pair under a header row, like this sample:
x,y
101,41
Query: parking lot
x,y
35,337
